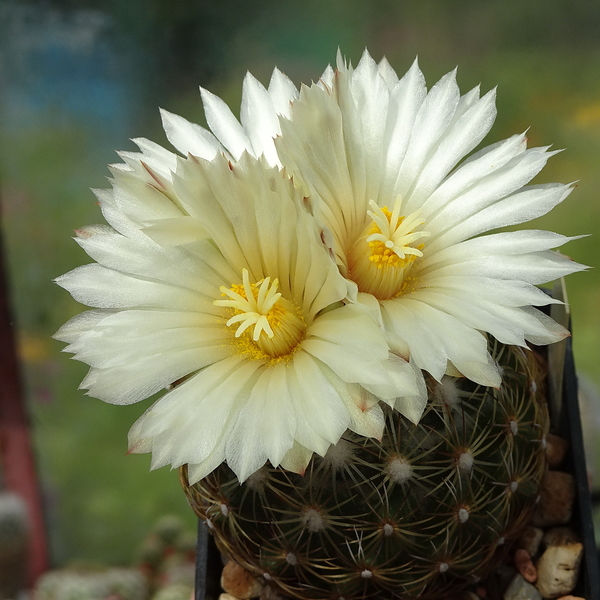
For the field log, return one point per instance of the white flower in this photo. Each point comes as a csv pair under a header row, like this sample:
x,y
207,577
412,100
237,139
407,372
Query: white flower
x,y
254,134
379,157
153,166
244,319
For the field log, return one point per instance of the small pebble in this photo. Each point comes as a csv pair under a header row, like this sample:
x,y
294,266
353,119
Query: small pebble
x,y
570,598
239,582
530,540
556,450
557,495
560,536
519,589
558,569
525,566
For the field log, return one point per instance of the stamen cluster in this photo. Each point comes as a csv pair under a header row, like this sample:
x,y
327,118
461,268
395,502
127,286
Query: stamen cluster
x,y
383,254
268,323
391,235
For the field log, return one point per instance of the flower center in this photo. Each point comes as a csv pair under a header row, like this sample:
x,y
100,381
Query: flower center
x,y
383,254
268,325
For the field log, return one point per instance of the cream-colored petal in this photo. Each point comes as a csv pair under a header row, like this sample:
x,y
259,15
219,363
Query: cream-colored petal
x,y
430,123
460,138
297,458
282,91
492,188
259,118
189,138
199,412
224,125
320,407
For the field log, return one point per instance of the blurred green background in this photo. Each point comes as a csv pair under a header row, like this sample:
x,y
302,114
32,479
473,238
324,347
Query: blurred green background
x,y
78,78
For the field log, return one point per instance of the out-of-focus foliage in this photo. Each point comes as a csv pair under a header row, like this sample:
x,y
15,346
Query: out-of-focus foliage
x,y
80,77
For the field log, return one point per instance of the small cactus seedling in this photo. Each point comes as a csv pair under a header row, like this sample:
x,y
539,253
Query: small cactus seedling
x,y
79,584
14,539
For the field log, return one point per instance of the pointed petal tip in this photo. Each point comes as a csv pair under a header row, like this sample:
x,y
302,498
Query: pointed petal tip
x,y
137,447
489,96
249,79
341,62
414,68
206,95
413,412
366,55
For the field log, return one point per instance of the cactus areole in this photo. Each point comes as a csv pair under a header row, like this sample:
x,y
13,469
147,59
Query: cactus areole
x,y
421,513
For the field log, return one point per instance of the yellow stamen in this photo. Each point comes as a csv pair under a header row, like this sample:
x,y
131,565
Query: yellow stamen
x,y
268,325
383,254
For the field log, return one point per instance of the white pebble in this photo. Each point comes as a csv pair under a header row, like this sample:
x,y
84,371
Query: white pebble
x,y
558,569
519,589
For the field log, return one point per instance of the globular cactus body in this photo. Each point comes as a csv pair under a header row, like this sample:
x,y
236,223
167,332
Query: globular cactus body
x,y
420,513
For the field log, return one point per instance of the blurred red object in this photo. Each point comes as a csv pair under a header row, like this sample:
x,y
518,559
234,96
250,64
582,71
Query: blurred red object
x,y
16,451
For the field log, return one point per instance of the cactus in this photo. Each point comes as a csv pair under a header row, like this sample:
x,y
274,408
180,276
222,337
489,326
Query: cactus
x,y
73,584
14,539
174,591
169,528
420,513
167,555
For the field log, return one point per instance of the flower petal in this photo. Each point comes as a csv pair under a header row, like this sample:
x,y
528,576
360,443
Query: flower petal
x,y
460,138
431,122
189,138
282,92
224,125
465,347
259,119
